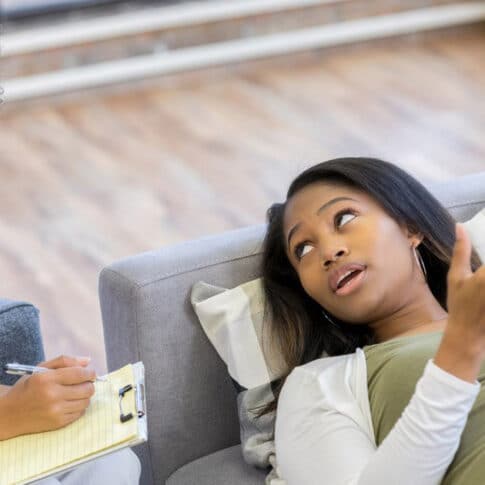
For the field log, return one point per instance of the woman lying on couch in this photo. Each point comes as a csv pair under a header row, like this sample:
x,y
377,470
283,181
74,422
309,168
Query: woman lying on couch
x,y
51,400
363,263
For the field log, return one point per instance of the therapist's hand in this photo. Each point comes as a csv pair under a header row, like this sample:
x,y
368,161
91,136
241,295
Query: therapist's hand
x,y
47,400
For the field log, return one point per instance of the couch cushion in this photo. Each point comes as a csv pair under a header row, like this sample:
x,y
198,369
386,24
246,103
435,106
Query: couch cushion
x,y
220,468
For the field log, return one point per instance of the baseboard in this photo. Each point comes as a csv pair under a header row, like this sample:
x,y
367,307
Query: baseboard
x,y
240,50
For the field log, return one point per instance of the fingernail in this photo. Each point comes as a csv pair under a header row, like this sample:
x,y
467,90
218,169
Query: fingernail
x,y
84,359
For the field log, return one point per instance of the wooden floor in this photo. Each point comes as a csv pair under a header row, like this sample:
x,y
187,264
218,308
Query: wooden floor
x,y
90,179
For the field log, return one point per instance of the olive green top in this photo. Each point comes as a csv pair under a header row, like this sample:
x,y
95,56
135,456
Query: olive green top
x,y
393,370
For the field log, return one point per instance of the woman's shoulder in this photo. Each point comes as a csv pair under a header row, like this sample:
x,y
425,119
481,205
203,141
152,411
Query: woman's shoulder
x,y
328,364
328,383
327,375
328,386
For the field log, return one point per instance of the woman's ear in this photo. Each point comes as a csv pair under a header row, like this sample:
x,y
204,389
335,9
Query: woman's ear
x,y
412,234
415,242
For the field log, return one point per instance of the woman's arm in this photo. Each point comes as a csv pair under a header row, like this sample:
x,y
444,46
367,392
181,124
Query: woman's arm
x,y
316,443
424,440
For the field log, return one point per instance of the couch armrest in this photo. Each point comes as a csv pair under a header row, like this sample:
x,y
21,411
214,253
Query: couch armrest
x,y
20,339
147,315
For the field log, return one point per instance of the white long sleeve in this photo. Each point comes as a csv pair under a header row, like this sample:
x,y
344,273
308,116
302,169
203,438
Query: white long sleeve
x,y
319,443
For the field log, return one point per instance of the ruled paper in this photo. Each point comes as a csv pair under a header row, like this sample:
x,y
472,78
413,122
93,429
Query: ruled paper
x,y
29,456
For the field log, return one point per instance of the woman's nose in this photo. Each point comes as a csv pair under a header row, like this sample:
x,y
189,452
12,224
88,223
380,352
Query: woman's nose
x,y
333,256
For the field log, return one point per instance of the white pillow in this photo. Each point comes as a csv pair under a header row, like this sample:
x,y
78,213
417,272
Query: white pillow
x,y
233,321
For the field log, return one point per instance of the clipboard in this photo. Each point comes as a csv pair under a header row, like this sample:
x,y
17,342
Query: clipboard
x,y
115,419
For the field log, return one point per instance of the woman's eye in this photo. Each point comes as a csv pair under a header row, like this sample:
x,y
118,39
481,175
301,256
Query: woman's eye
x,y
343,213
303,248
300,250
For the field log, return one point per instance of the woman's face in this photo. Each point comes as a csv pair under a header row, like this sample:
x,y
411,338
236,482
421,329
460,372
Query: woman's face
x,y
329,226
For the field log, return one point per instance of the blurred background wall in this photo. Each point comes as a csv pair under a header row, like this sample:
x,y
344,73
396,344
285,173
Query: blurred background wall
x,y
128,126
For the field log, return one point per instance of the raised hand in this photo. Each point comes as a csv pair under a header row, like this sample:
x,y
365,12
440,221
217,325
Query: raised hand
x,y
466,294
462,347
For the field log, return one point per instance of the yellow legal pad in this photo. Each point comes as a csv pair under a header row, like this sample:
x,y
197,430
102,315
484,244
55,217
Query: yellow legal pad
x,y
99,431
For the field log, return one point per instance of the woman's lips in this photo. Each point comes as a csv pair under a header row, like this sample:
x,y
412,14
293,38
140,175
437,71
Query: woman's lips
x,y
353,285
336,274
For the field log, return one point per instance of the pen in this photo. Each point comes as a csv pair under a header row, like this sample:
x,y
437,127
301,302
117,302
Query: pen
x,y
22,370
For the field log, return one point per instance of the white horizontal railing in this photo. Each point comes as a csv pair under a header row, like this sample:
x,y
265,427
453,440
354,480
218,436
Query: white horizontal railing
x,y
241,50
143,21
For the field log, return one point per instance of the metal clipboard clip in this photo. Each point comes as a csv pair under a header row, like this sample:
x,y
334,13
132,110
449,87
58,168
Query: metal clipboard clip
x,y
139,401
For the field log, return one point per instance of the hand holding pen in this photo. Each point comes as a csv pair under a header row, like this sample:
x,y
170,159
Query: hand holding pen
x,y
49,399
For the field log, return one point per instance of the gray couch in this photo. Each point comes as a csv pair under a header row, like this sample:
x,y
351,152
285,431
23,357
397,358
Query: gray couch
x,y
192,414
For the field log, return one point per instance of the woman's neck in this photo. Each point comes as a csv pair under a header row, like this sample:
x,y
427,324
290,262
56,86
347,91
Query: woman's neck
x,y
419,312
433,326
